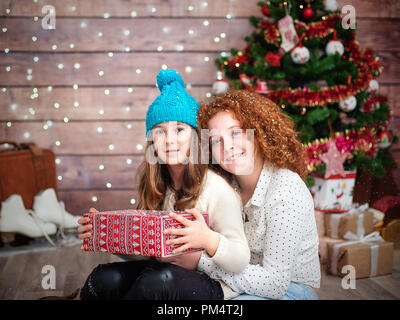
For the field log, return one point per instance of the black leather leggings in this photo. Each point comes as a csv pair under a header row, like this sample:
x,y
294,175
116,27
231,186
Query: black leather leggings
x,y
149,280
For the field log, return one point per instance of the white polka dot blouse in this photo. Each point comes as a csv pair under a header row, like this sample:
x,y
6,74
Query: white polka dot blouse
x,y
282,234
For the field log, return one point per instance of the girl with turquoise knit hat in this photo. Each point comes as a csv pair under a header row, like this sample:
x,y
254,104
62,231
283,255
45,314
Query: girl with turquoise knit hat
x,y
172,178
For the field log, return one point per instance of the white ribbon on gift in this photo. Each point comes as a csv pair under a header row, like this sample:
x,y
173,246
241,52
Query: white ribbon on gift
x,y
359,208
368,239
335,219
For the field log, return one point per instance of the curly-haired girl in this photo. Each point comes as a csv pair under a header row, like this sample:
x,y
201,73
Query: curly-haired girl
x,y
280,222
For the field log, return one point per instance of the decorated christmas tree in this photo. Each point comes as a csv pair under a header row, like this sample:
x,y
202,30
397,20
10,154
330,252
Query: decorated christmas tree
x,y
304,56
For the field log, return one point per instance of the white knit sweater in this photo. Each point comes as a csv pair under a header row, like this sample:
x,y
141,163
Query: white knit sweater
x,y
223,205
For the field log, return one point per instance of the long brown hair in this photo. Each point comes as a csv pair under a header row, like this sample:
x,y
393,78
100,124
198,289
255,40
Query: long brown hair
x,y
154,179
275,135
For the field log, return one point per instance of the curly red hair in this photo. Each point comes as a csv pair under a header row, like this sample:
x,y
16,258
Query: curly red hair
x,y
275,135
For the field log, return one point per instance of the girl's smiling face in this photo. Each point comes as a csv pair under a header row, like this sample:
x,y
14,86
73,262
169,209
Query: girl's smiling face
x,y
232,147
172,141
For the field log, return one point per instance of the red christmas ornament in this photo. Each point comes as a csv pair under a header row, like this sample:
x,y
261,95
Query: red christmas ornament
x,y
308,13
273,59
262,87
246,81
265,11
385,139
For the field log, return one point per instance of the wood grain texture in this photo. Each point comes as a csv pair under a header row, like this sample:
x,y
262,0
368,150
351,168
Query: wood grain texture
x,y
395,127
83,172
78,202
148,34
373,8
176,8
396,156
393,94
85,103
76,138
119,34
123,8
122,68
21,276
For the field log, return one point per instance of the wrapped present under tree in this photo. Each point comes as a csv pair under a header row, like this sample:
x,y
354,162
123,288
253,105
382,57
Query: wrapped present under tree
x,y
369,255
359,221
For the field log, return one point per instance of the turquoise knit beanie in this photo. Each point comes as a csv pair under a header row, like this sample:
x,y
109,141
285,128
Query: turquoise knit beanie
x,y
173,104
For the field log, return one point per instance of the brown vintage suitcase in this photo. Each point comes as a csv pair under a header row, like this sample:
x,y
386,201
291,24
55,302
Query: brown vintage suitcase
x,y
26,169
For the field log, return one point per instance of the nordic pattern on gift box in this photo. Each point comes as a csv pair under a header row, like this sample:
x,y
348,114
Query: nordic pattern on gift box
x,y
334,194
133,232
132,225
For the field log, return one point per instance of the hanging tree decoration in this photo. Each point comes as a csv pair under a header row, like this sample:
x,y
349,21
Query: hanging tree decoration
x,y
348,104
300,54
334,158
273,59
262,86
331,5
308,12
287,31
366,65
334,46
246,80
373,86
220,85
373,103
265,11
385,139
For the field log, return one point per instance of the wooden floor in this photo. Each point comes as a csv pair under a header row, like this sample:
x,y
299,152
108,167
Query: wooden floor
x,y
21,276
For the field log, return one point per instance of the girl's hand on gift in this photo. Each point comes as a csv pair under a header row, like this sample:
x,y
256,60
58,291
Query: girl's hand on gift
x,y
196,234
188,261
84,229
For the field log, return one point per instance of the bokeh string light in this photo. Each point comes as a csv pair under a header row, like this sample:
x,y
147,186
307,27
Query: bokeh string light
x,y
64,114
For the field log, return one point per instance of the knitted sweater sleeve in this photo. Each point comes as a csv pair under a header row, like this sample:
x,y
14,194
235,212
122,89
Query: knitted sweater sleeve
x,y
223,207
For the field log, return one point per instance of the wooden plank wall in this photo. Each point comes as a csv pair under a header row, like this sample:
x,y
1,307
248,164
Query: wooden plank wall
x,y
92,78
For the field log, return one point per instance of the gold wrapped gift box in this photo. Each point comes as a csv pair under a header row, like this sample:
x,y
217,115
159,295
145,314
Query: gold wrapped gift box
x,y
390,232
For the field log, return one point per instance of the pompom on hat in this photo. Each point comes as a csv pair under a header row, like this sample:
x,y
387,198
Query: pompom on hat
x,y
173,104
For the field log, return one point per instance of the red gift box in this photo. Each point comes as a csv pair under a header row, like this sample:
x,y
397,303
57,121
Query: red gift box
x,y
134,232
